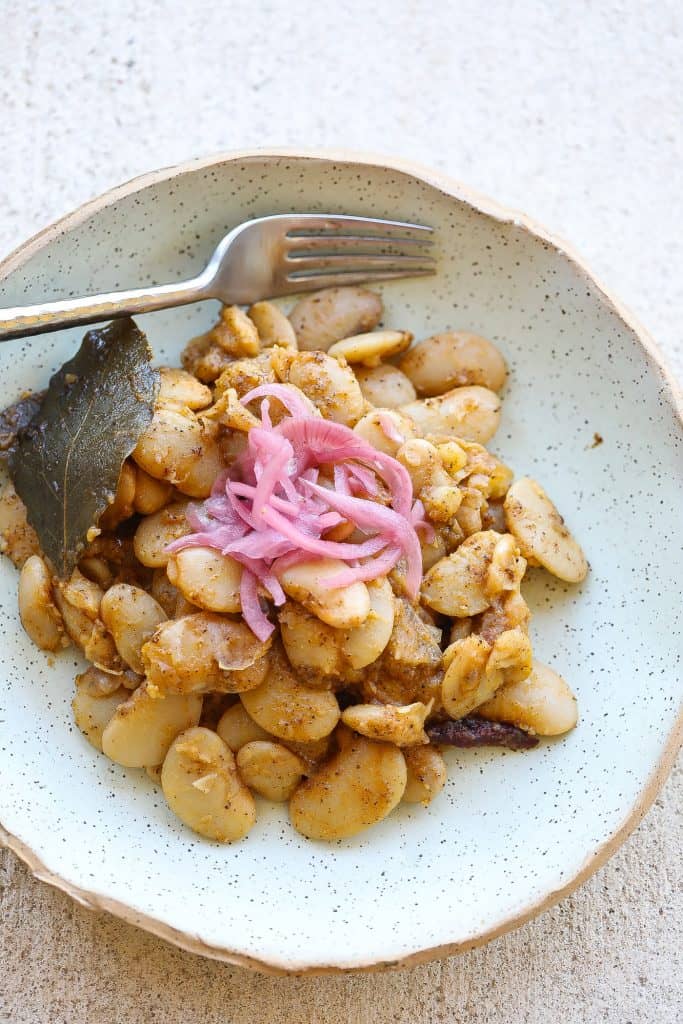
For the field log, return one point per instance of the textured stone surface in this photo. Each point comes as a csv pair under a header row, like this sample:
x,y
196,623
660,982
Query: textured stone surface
x,y
571,112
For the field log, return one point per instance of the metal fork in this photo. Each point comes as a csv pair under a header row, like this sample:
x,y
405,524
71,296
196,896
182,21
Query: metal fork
x,y
264,258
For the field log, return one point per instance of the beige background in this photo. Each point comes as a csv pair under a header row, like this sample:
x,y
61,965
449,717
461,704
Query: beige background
x,y
569,110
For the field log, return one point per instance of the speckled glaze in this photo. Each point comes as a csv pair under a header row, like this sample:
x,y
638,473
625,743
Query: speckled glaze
x,y
511,833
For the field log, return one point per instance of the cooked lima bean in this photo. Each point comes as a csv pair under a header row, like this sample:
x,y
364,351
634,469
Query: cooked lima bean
x,y
432,551
182,449
358,787
233,336
385,386
122,506
475,670
270,769
18,540
465,583
369,349
326,316
341,607
274,328
236,333
329,383
97,570
472,413
319,650
385,429
150,494
391,723
424,464
94,704
178,387
312,753
203,652
131,615
454,359
163,591
541,532
39,615
143,727
85,629
82,593
427,774
157,531
511,656
541,703
184,607
287,709
364,644
236,727
202,787
435,488
458,584
311,645
207,578
466,684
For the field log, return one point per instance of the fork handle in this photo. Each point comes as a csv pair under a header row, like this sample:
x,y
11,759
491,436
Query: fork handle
x,y
22,321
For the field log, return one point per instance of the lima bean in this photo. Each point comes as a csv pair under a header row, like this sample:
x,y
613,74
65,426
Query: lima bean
x,y
202,787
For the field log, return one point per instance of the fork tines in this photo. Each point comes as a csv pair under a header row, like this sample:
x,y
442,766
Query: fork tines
x,y
338,250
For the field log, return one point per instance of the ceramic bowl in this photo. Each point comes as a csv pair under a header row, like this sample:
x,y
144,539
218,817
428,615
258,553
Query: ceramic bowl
x,y
511,833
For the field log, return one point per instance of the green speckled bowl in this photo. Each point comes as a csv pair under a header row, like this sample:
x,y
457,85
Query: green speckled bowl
x,y
511,833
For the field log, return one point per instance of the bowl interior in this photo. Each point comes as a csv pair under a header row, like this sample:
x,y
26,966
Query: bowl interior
x,y
510,829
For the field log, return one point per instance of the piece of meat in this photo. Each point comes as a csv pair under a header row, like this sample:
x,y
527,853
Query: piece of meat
x,y
493,517
507,611
414,642
15,417
477,732
411,667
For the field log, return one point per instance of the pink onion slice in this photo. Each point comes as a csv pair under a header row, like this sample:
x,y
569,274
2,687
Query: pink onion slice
x,y
365,477
322,548
287,396
371,515
370,570
268,511
253,614
389,428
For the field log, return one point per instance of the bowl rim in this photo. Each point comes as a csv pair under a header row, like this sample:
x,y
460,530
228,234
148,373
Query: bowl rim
x,y
673,393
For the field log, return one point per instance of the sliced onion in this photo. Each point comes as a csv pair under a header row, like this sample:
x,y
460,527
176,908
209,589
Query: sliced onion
x,y
293,403
370,570
269,511
316,546
365,477
389,428
371,515
254,616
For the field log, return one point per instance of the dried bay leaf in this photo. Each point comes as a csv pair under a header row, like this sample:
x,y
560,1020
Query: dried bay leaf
x,y
66,462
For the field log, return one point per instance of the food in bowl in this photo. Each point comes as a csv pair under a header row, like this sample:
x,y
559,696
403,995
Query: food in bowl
x,y
296,571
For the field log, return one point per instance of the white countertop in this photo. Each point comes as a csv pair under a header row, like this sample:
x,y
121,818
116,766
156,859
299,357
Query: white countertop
x,y
571,112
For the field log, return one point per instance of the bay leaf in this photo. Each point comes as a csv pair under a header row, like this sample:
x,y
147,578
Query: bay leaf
x,y
66,462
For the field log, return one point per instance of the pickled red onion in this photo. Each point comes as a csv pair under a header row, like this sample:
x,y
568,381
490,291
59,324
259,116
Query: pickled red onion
x,y
268,510
389,428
